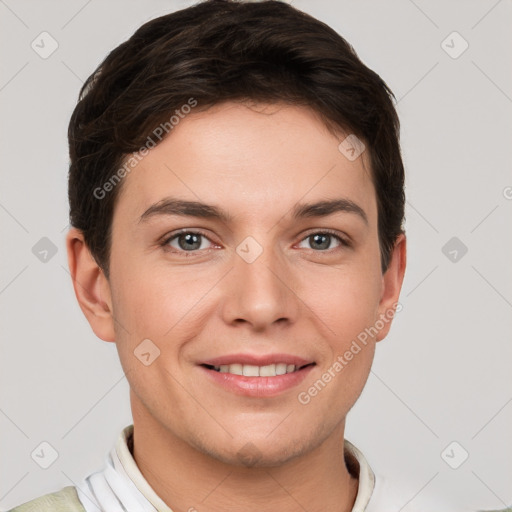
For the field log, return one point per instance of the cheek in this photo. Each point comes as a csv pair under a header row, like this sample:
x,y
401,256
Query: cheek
x,y
163,306
345,301
143,296
137,307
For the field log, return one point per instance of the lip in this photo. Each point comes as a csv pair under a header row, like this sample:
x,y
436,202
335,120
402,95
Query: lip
x,y
257,360
257,387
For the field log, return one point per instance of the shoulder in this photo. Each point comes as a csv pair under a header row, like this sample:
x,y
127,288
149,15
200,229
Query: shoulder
x,y
400,494
65,500
501,510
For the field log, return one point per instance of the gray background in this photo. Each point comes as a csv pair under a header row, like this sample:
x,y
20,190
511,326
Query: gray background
x,y
442,375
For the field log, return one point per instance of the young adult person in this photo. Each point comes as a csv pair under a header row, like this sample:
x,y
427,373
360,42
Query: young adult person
x,y
236,196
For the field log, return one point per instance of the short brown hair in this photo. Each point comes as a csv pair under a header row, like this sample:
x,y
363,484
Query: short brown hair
x,y
217,51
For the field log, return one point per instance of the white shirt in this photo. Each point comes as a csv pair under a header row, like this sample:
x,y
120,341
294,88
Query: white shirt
x,y
120,486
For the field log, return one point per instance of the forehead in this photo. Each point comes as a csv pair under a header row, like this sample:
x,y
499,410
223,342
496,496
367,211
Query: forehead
x,y
250,160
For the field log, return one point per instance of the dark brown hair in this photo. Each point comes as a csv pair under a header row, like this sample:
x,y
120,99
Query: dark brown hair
x,y
216,51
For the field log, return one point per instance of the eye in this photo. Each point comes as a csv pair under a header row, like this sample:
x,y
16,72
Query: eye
x,y
321,240
186,241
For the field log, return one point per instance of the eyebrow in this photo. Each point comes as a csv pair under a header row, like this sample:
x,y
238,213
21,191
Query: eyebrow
x,y
174,206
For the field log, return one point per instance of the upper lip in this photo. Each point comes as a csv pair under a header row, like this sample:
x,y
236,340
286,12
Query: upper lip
x,y
257,360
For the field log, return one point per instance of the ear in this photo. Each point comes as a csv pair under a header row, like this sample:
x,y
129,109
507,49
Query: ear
x,y
391,286
92,288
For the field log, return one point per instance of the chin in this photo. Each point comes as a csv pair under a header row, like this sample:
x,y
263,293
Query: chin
x,y
251,456
256,451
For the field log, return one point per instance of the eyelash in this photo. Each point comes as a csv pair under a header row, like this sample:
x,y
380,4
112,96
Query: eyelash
x,y
165,243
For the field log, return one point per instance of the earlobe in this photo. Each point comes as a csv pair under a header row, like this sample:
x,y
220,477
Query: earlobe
x,y
92,288
391,285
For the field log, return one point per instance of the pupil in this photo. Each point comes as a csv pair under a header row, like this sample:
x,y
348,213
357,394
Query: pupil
x,y
317,238
191,240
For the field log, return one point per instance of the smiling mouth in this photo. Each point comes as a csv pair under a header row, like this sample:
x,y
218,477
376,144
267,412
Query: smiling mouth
x,y
249,370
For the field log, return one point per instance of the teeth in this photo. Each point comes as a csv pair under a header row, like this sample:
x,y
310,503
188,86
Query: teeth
x,y
280,368
237,369
268,371
249,370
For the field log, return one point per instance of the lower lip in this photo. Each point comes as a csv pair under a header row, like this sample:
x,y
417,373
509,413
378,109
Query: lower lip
x,y
258,386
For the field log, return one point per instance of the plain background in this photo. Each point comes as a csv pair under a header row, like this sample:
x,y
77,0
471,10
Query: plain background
x,y
444,372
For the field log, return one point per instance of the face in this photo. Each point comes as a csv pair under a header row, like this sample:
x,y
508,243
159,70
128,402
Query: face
x,y
257,282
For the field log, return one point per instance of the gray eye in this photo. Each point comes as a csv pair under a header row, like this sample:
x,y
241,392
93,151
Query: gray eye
x,y
188,241
322,241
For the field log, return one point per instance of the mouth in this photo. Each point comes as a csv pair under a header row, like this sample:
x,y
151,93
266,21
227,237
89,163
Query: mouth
x,y
250,370
257,376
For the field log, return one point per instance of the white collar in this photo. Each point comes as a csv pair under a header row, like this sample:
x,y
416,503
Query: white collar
x,y
121,485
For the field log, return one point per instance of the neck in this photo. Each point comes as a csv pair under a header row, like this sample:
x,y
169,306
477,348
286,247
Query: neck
x,y
189,480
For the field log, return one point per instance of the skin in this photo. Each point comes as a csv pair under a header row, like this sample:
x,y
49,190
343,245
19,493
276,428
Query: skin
x,y
298,297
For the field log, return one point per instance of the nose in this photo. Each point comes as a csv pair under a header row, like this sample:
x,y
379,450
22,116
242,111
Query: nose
x,y
261,291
